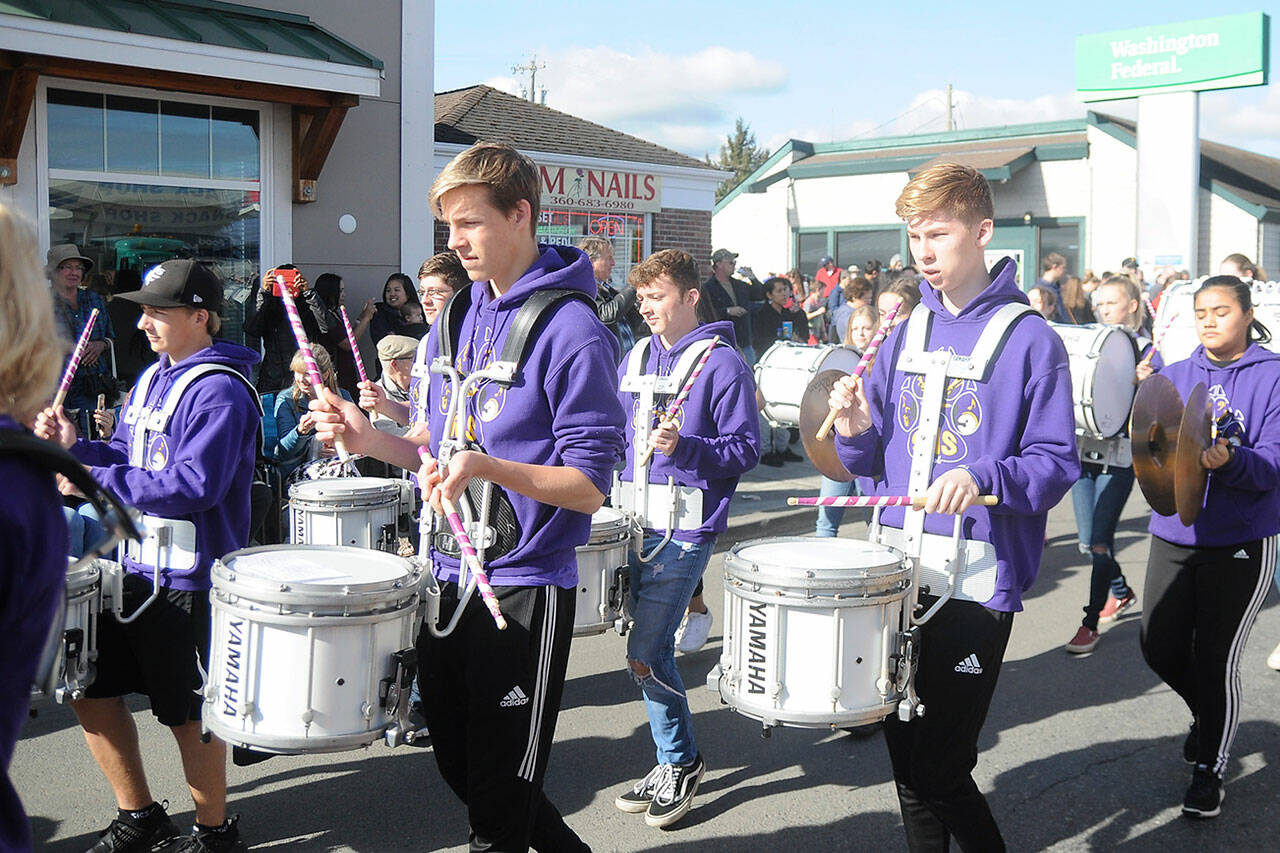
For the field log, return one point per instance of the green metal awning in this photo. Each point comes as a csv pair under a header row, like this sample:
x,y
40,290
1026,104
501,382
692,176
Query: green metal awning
x,y
203,22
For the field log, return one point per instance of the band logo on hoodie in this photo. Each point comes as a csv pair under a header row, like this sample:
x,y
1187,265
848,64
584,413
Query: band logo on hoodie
x,y
1230,421
961,415
485,403
157,453
656,416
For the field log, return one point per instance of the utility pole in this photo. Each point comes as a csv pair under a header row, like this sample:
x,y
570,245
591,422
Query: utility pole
x,y
533,67
951,124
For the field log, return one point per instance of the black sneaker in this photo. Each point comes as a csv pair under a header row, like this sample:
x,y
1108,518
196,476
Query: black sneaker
x,y
223,839
673,794
128,834
1191,745
1204,797
773,460
636,799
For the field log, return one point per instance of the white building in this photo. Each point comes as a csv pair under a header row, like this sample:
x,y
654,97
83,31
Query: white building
x,y
1065,186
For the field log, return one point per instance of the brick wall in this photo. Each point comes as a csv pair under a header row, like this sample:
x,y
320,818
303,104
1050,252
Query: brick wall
x,y
440,240
688,230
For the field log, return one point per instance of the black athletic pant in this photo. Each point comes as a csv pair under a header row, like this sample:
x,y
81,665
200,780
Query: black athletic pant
x,y
491,699
961,649
1200,605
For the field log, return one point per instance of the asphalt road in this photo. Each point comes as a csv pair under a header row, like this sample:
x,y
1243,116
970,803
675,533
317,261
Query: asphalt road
x,y
1079,753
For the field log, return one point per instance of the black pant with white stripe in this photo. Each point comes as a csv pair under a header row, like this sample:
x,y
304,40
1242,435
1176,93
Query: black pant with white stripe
x,y
491,699
1200,606
961,649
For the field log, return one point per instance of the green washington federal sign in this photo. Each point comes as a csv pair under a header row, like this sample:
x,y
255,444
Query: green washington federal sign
x,y
1212,53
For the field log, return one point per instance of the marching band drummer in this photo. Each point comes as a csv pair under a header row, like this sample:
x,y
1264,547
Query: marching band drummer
x,y
548,445
1206,583
710,441
1006,428
1106,476
33,534
183,453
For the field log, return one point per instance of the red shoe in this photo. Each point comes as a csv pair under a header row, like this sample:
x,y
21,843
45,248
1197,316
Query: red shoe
x,y
1116,607
1083,642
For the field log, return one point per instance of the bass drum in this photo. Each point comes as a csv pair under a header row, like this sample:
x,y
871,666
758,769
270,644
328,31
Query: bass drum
x,y
1102,361
1175,321
787,368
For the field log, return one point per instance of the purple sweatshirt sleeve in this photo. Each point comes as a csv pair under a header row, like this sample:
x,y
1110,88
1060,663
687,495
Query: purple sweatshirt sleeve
x,y
1256,468
736,449
198,476
587,425
1035,479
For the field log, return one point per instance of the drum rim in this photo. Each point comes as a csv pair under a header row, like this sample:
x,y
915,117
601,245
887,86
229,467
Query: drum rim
x,y
386,486
224,579
734,553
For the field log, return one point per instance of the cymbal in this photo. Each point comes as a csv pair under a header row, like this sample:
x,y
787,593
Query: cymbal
x,y
813,411
1190,477
1153,430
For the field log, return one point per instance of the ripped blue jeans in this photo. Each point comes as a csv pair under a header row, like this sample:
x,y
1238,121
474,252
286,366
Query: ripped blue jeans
x,y
660,591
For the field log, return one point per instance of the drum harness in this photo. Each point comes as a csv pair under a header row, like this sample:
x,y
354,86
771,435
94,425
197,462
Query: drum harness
x,y
167,544
966,567
120,522
494,528
650,505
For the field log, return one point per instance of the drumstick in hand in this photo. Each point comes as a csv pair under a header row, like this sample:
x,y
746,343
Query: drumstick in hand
x,y
670,413
863,363
313,370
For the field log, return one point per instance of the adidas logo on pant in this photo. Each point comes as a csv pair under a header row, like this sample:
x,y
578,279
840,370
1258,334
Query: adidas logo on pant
x,y
970,665
514,699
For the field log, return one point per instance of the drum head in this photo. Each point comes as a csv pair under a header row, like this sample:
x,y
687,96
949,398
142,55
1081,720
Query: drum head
x,y
1113,381
82,577
803,563
344,489
317,567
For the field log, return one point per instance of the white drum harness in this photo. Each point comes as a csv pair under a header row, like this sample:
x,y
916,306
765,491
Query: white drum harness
x,y
656,506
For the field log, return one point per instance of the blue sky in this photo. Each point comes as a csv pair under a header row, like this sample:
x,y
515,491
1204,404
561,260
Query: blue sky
x,y
678,73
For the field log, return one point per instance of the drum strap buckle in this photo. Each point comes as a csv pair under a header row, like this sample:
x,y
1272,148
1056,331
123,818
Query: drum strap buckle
x,y
910,706
393,695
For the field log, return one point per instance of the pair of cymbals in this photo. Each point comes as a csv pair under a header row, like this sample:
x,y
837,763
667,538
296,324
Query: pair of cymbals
x,y
1167,439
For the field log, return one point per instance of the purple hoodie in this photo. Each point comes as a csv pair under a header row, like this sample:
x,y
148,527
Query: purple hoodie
x,y
1014,433
33,570
1243,499
559,413
199,470
719,427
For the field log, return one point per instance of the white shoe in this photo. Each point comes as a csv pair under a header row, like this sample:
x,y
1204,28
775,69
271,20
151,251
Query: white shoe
x,y
693,631
1273,660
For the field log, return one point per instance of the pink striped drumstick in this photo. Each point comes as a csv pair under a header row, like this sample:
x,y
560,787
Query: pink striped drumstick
x,y
1164,330
880,500
304,346
670,413
863,363
487,594
351,339
70,373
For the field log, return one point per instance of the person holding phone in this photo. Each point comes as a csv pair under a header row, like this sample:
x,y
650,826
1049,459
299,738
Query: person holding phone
x,y
267,321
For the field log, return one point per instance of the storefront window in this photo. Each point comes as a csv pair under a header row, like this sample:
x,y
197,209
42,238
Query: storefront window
x,y
858,247
137,181
1063,239
809,250
625,231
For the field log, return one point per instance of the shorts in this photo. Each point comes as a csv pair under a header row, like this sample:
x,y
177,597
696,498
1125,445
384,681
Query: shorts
x,y
161,654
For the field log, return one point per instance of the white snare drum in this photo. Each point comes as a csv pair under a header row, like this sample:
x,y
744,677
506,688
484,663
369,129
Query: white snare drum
x,y
70,668
1102,361
602,573
785,370
813,630
362,512
312,647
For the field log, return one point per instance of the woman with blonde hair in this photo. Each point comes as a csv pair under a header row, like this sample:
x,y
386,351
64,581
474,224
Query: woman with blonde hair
x,y
294,423
34,536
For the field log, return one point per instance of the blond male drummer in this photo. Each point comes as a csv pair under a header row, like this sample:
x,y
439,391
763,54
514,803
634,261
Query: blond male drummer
x,y
1009,432
191,479
705,444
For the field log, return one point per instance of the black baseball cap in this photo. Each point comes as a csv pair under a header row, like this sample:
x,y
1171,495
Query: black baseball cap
x,y
179,284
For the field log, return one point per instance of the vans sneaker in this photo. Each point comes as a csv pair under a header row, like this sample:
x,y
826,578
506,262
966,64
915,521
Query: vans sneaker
x,y
143,833
1083,642
636,799
1115,607
1204,797
673,794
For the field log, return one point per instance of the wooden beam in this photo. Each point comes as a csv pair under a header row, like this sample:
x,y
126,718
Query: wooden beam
x,y
17,94
313,135
172,81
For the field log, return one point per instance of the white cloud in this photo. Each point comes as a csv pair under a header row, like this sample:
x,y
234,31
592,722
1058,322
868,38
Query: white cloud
x,y
1245,118
679,100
